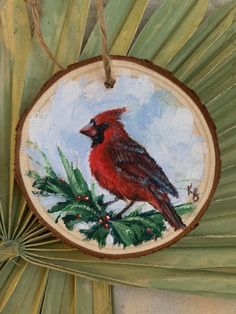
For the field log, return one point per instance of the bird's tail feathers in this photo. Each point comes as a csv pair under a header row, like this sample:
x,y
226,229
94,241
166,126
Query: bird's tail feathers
x,y
166,208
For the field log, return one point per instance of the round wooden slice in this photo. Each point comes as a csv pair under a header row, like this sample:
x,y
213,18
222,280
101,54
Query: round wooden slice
x,y
118,172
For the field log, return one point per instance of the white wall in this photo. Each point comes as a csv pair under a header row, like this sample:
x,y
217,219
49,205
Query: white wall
x,y
130,300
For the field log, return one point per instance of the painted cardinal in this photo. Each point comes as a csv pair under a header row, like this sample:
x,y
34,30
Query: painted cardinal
x,y
125,169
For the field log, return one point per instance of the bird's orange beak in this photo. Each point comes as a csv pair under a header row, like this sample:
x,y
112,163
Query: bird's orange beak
x,y
89,130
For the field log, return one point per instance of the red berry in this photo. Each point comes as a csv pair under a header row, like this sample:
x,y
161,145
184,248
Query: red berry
x,y
78,197
78,216
107,217
100,221
106,226
61,180
149,230
85,198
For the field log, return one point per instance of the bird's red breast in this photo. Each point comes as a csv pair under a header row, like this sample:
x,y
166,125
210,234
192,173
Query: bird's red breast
x,y
105,171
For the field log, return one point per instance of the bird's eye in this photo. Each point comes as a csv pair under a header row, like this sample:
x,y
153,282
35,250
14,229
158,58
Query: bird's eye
x,y
92,121
103,126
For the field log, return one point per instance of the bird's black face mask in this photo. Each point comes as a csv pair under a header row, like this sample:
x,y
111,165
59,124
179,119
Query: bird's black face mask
x,y
95,131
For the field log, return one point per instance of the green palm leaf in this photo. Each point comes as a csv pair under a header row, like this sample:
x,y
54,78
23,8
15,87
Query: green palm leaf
x,y
174,19
115,22
206,35
15,36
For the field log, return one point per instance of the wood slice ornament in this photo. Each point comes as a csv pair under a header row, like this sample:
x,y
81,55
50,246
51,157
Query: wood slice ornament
x,y
118,172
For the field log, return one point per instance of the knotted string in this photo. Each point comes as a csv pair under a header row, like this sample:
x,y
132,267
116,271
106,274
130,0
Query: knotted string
x,y
35,9
109,80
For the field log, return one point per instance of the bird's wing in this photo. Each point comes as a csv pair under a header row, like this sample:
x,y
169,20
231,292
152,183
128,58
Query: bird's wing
x,y
134,162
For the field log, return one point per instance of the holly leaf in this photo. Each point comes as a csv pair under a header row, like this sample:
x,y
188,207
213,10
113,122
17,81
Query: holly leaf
x,y
156,217
96,232
184,209
47,166
123,233
144,223
53,186
70,221
80,180
85,213
59,207
72,178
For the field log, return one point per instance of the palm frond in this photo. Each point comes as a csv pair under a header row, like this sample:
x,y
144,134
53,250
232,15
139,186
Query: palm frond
x,y
115,22
174,19
16,37
128,30
204,37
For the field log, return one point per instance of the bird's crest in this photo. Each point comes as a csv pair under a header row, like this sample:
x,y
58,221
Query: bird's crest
x,y
110,115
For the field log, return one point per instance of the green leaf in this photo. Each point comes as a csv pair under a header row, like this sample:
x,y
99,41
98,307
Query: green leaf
x,y
5,272
174,19
115,22
54,186
183,29
72,178
125,234
220,78
144,222
7,289
211,46
100,199
129,28
59,207
15,32
47,166
62,25
139,232
184,209
70,221
98,233
28,288
72,32
87,214
83,296
80,180
53,297
5,125
205,36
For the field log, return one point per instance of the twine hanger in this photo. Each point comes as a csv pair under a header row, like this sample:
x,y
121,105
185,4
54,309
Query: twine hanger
x,y
35,10
109,81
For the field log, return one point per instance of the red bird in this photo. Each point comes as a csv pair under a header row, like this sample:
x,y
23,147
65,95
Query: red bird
x,y
125,169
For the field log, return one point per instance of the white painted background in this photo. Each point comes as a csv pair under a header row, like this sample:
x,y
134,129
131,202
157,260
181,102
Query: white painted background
x,y
131,300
